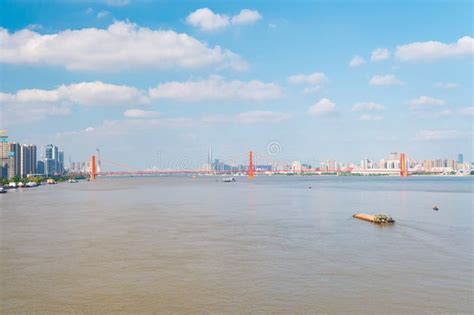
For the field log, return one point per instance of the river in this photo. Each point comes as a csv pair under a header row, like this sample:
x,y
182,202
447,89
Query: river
x,y
269,245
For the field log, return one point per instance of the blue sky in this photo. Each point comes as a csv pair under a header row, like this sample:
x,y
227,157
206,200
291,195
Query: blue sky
x,y
142,78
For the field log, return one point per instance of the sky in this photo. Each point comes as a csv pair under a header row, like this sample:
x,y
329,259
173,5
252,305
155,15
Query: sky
x,y
153,81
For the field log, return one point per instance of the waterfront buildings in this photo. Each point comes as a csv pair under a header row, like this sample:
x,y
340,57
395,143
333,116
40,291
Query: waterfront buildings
x,y
20,160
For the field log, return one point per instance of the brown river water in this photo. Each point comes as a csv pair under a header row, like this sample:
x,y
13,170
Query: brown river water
x,y
142,245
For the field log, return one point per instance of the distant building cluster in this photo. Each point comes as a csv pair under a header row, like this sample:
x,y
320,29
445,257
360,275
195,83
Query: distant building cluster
x,y
80,167
20,160
387,166
392,166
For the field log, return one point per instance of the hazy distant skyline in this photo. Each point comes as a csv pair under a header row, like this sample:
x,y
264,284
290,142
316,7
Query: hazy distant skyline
x,y
325,80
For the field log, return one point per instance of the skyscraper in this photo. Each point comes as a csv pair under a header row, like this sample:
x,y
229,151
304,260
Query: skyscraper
x,y
51,160
60,161
27,159
40,167
4,149
460,158
14,160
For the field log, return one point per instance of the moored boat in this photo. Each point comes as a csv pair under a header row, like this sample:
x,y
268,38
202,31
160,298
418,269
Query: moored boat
x,y
228,179
377,218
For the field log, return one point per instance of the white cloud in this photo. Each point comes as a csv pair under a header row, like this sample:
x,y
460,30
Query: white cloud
x,y
122,45
261,116
366,106
139,113
30,105
356,61
430,114
217,89
117,3
208,21
368,117
312,79
380,54
323,107
431,135
102,14
312,89
426,101
37,104
101,94
434,50
130,126
446,85
467,111
388,79
246,17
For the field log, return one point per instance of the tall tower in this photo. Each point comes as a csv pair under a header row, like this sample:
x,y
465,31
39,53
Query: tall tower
x,y
209,158
93,167
251,173
98,160
403,165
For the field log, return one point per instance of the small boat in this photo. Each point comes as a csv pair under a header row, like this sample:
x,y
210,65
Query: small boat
x,y
12,185
377,218
50,181
3,190
31,184
228,179
435,208
20,184
72,181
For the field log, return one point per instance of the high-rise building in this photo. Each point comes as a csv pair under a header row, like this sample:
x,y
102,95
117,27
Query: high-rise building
x,y
4,165
296,167
452,165
27,159
14,160
393,156
332,165
428,165
40,167
460,158
49,167
53,162
61,161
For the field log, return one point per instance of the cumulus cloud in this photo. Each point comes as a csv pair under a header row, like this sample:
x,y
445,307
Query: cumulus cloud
x,y
356,61
446,85
380,54
37,104
259,116
246,17
30,105
388,79
215,88
434,50
206,20
368,117
322,107
122,45
367,106
426,101
140,113
312,79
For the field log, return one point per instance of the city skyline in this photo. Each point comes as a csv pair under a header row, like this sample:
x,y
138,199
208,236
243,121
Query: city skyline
x,y
239,76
